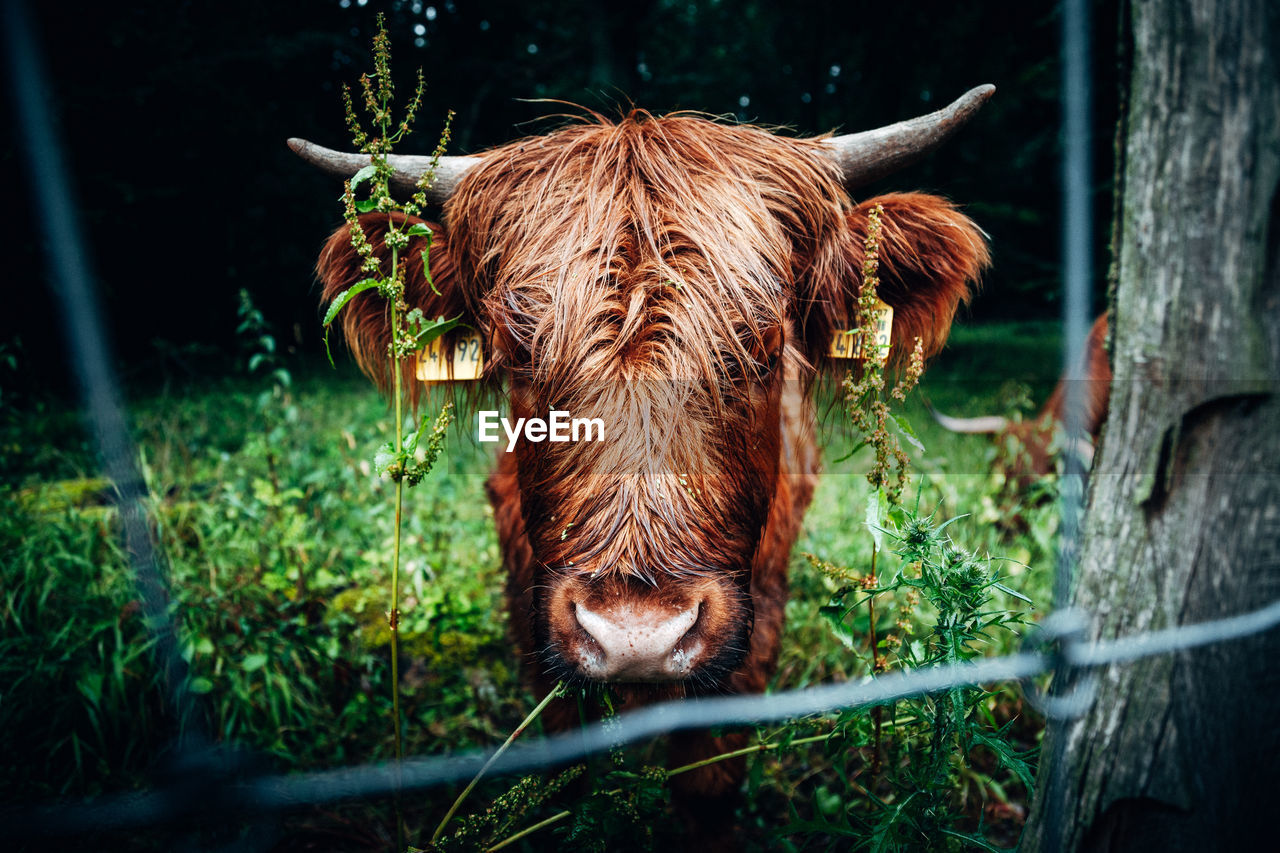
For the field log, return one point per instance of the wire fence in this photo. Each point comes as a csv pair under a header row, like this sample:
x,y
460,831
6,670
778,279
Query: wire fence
x,y
212,789
1077,266
209,782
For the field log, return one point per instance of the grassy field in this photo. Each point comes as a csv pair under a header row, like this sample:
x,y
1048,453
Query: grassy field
x,y
277,535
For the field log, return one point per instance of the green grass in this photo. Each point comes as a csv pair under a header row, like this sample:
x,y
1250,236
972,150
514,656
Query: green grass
x,y
278,536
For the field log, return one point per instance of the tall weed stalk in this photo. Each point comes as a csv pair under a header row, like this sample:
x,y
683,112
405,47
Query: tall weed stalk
x,y
405,462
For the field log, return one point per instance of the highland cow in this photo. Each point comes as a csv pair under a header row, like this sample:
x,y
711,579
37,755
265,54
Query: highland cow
x,y
680,279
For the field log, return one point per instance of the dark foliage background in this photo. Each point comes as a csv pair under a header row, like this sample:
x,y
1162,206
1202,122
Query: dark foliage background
x,y
174,116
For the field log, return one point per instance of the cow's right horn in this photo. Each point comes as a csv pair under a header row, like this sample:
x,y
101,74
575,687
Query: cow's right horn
x,y
408,168
864,157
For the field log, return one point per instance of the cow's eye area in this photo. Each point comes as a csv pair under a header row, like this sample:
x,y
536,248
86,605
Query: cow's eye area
x,y
762,357
766,349
513,341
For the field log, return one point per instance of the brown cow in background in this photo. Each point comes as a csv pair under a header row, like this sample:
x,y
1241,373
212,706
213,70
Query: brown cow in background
x,y
680,279
1027,450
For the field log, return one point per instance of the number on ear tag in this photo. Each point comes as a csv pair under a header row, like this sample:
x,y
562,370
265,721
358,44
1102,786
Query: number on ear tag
x,y
847,345
467,363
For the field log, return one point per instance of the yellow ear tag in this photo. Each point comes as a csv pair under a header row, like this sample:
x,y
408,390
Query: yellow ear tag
x,y
847,344
435,366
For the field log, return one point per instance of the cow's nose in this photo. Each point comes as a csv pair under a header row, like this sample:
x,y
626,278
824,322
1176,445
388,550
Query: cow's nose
x,y
634,643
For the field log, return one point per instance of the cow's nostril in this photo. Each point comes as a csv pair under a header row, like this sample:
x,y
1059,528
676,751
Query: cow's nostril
x,y
638,643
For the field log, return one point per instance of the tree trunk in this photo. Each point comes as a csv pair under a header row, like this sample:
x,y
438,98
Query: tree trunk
x,y
1183,525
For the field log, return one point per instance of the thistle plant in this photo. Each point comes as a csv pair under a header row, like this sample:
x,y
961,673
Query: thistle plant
x,y
945,609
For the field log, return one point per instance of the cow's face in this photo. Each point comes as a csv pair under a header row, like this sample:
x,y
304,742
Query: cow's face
x,y
644,274
666,276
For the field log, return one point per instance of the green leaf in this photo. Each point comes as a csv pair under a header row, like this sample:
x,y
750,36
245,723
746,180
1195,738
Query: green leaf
x,y
1006,755
411,446
426,270
907,432
1008,591
254,662
835,615
975,840
200,686
949,522
345,296
366,205
856,448
384,458
877,512
363,175
420,229
436,328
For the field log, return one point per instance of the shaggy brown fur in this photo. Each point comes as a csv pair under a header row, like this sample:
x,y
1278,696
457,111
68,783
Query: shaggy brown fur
x,y
680,279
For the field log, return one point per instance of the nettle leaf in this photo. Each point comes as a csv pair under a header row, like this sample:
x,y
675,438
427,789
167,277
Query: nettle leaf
x,y
345,296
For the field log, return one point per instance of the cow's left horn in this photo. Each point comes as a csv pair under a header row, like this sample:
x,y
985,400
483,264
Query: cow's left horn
x,y
871,154
408,168
984,423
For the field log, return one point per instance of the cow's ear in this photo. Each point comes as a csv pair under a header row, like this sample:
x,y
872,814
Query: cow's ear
x,y
931,257
366,318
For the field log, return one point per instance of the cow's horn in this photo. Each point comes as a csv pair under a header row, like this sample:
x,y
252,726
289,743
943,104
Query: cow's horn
x,y
986,423
408,168
864,157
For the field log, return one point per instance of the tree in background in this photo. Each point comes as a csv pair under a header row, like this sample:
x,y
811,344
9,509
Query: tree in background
x,y
1183,752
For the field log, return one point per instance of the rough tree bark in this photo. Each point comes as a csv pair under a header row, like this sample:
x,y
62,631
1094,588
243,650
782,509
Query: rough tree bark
x,y
1183,524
